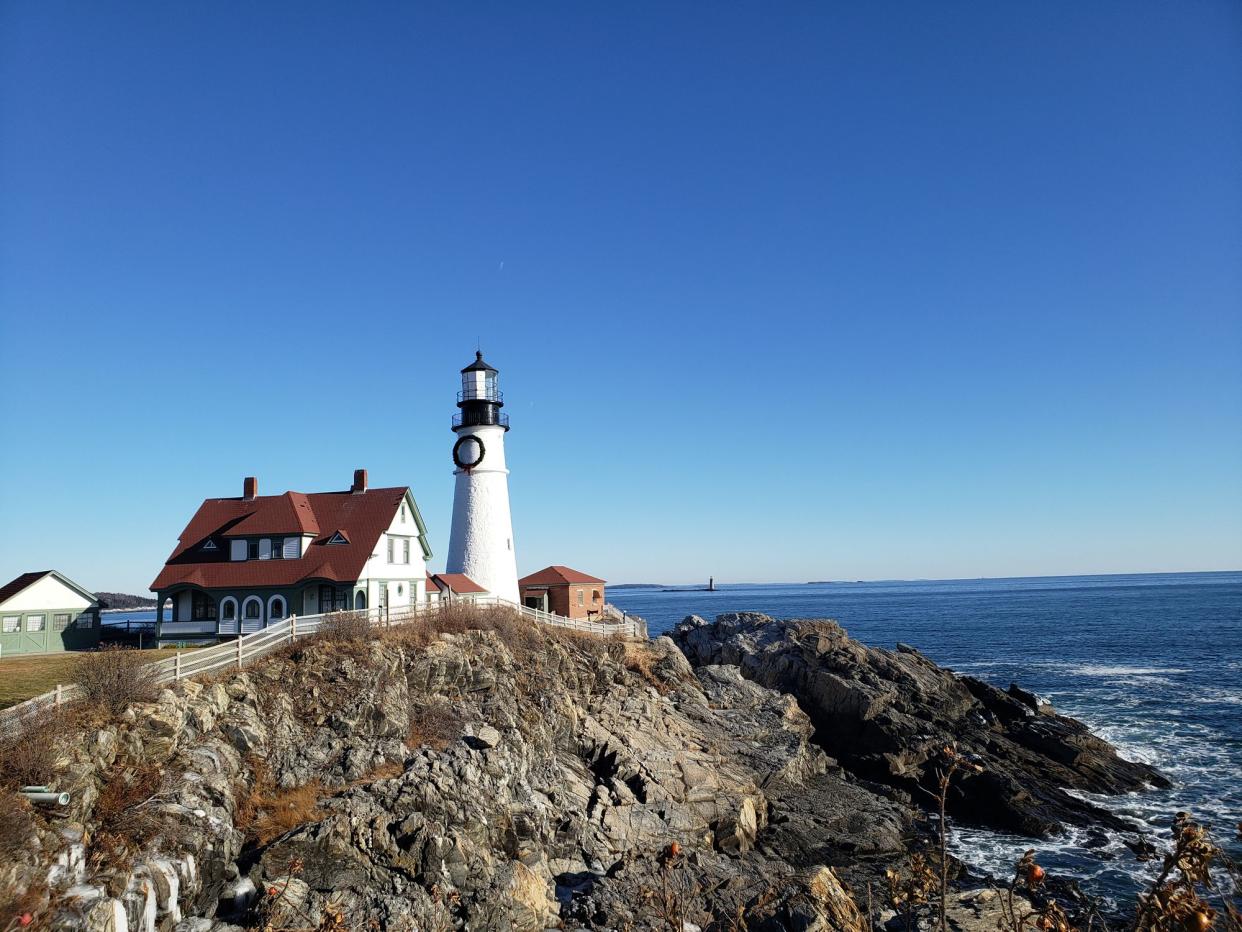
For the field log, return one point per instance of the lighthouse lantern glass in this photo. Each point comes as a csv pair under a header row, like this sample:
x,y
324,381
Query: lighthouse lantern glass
x,y
478,384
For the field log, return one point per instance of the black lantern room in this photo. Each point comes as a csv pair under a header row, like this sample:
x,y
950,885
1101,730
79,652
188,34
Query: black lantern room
x,y
479,399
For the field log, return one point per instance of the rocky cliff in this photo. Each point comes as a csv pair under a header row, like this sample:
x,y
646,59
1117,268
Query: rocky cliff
x,y
498,777
886,715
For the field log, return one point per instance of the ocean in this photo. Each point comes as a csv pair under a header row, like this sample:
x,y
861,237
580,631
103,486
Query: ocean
x,y
1153,663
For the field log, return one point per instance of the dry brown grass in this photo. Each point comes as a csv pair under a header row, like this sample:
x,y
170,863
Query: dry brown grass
x,y
24,677
522,636
265,811
114,677
435,724
639,658
284,810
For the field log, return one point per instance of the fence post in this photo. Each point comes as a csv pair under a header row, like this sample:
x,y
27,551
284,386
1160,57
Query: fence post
x,y
293,627
176,666
59,699
239,648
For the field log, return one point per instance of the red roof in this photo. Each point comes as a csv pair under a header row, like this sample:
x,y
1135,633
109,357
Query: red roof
x,y
362,517
290,513
457,582
20,583
10,589
557,576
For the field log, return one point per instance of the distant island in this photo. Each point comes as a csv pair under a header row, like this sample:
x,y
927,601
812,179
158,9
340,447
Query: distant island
x,y
637,585
120,602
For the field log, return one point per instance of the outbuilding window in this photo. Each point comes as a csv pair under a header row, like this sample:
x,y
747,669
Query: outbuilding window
x,y
60,622
11,623
581,594
35,622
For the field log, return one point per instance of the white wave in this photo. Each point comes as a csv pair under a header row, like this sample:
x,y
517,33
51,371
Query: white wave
x,y
1099,669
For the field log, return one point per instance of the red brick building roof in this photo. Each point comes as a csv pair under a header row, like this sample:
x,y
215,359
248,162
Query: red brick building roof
x,y
456,582
361,517
557,576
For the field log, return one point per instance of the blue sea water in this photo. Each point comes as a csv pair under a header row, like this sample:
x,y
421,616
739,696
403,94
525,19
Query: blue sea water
x,y
1153,663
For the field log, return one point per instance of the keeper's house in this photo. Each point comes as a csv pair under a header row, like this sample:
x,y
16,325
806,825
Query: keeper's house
x,y
45,612
563,591
244,563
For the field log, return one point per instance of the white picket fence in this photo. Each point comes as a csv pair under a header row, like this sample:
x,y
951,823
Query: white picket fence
x,y
239,652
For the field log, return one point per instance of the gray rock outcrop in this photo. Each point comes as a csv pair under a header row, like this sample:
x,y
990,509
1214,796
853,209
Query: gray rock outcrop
x,y
887,715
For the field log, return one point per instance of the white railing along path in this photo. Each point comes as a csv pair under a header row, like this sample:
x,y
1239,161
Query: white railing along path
x,y
236,653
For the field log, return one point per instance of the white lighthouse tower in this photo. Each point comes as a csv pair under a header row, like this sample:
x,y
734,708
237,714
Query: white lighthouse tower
x,y
481,542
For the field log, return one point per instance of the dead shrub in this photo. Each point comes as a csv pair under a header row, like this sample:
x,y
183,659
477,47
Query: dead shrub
x,y
114,677
16,825
29,748
344,628
435,724
120,820
23,908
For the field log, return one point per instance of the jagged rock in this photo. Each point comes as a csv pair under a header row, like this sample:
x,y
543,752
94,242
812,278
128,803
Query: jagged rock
x,y
887,715
515,780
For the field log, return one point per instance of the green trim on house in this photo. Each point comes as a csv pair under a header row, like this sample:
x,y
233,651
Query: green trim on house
x,y
80,633
418,522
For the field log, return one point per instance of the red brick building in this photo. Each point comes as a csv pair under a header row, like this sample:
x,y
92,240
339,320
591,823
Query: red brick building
x,y
563,591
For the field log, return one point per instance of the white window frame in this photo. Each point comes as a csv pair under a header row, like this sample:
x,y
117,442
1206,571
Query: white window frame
x,y
227,601
405,551
257,601
284,610
391,549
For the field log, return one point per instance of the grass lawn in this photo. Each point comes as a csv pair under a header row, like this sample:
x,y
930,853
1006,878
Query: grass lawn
x,y
25,677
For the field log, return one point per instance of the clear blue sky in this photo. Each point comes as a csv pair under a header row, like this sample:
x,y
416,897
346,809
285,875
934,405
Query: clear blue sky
x,y
777,292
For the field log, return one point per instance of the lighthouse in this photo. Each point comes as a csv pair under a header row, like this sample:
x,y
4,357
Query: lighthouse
x,y
481,541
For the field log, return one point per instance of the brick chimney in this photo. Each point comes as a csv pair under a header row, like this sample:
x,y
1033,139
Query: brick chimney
x,y
360,481
250,488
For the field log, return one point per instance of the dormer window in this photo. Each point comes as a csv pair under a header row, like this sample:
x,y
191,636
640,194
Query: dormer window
x,y
338,538
403,514
252,550
210,545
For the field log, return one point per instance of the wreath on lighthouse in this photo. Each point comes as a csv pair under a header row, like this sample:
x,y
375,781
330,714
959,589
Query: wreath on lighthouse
x,y
462,464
